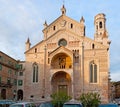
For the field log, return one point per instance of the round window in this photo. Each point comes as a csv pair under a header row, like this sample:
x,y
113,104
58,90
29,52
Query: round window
x,y
62,42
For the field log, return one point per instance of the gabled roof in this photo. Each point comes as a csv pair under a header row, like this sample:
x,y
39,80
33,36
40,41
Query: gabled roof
x,y
34,46
60,49
2,53
61,17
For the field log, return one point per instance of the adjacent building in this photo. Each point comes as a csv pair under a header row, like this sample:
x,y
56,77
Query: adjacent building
x,y
112,91
8,77
117,89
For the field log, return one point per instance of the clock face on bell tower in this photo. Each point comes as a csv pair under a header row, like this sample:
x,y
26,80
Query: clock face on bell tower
x,y
62,42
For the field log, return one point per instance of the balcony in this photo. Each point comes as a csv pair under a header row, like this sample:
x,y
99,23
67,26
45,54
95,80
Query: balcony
x,y
4,84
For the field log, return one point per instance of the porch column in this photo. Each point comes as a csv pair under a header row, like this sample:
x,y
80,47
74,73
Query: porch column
x,y
73,76
44,72
82,64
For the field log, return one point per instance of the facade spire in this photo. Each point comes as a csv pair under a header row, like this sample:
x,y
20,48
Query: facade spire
x,y
45,24
28,40
63,10
82,20
28,44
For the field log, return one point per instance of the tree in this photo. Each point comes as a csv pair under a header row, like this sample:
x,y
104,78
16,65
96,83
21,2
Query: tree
x,y
90,99
58,99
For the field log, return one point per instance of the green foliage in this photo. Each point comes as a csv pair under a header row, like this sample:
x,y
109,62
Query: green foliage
x,y
58,99
90,99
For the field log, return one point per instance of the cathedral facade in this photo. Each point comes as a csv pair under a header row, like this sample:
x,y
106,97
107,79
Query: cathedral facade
x,y
68,61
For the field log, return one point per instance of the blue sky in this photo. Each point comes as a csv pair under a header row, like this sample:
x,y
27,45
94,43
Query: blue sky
x,y
20,19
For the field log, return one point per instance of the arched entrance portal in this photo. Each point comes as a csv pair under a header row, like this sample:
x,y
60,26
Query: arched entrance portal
x,y
20,95
3,93
61,82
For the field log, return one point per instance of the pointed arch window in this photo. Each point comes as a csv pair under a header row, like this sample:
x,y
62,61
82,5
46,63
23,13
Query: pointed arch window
x,y
93,73
35,73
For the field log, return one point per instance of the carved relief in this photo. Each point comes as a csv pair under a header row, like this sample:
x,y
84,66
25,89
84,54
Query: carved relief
x,y
62,62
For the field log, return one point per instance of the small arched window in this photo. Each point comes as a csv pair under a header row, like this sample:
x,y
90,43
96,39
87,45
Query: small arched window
x,y
71,25
100,24
93,73
54,27
93,46
35,72
35,50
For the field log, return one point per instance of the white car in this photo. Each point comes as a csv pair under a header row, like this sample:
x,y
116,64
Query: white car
x,y
72,103
23,104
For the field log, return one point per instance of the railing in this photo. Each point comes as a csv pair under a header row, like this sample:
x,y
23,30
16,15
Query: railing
x,y
4,84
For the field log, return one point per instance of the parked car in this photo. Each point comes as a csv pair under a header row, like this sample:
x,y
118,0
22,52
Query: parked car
x,y
23,104
45,104
6,103
72,103
108,105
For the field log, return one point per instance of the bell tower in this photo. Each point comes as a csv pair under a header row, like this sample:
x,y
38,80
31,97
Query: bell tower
x,y
100,28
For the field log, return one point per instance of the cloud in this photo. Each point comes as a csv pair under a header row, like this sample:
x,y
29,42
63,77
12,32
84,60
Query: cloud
x,y
20,19
115,76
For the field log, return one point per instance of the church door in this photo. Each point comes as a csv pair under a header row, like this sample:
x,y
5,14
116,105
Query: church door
x,y
63,88
61,82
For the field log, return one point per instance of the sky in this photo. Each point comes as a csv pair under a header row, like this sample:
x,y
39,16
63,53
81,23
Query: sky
x,y
20,19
